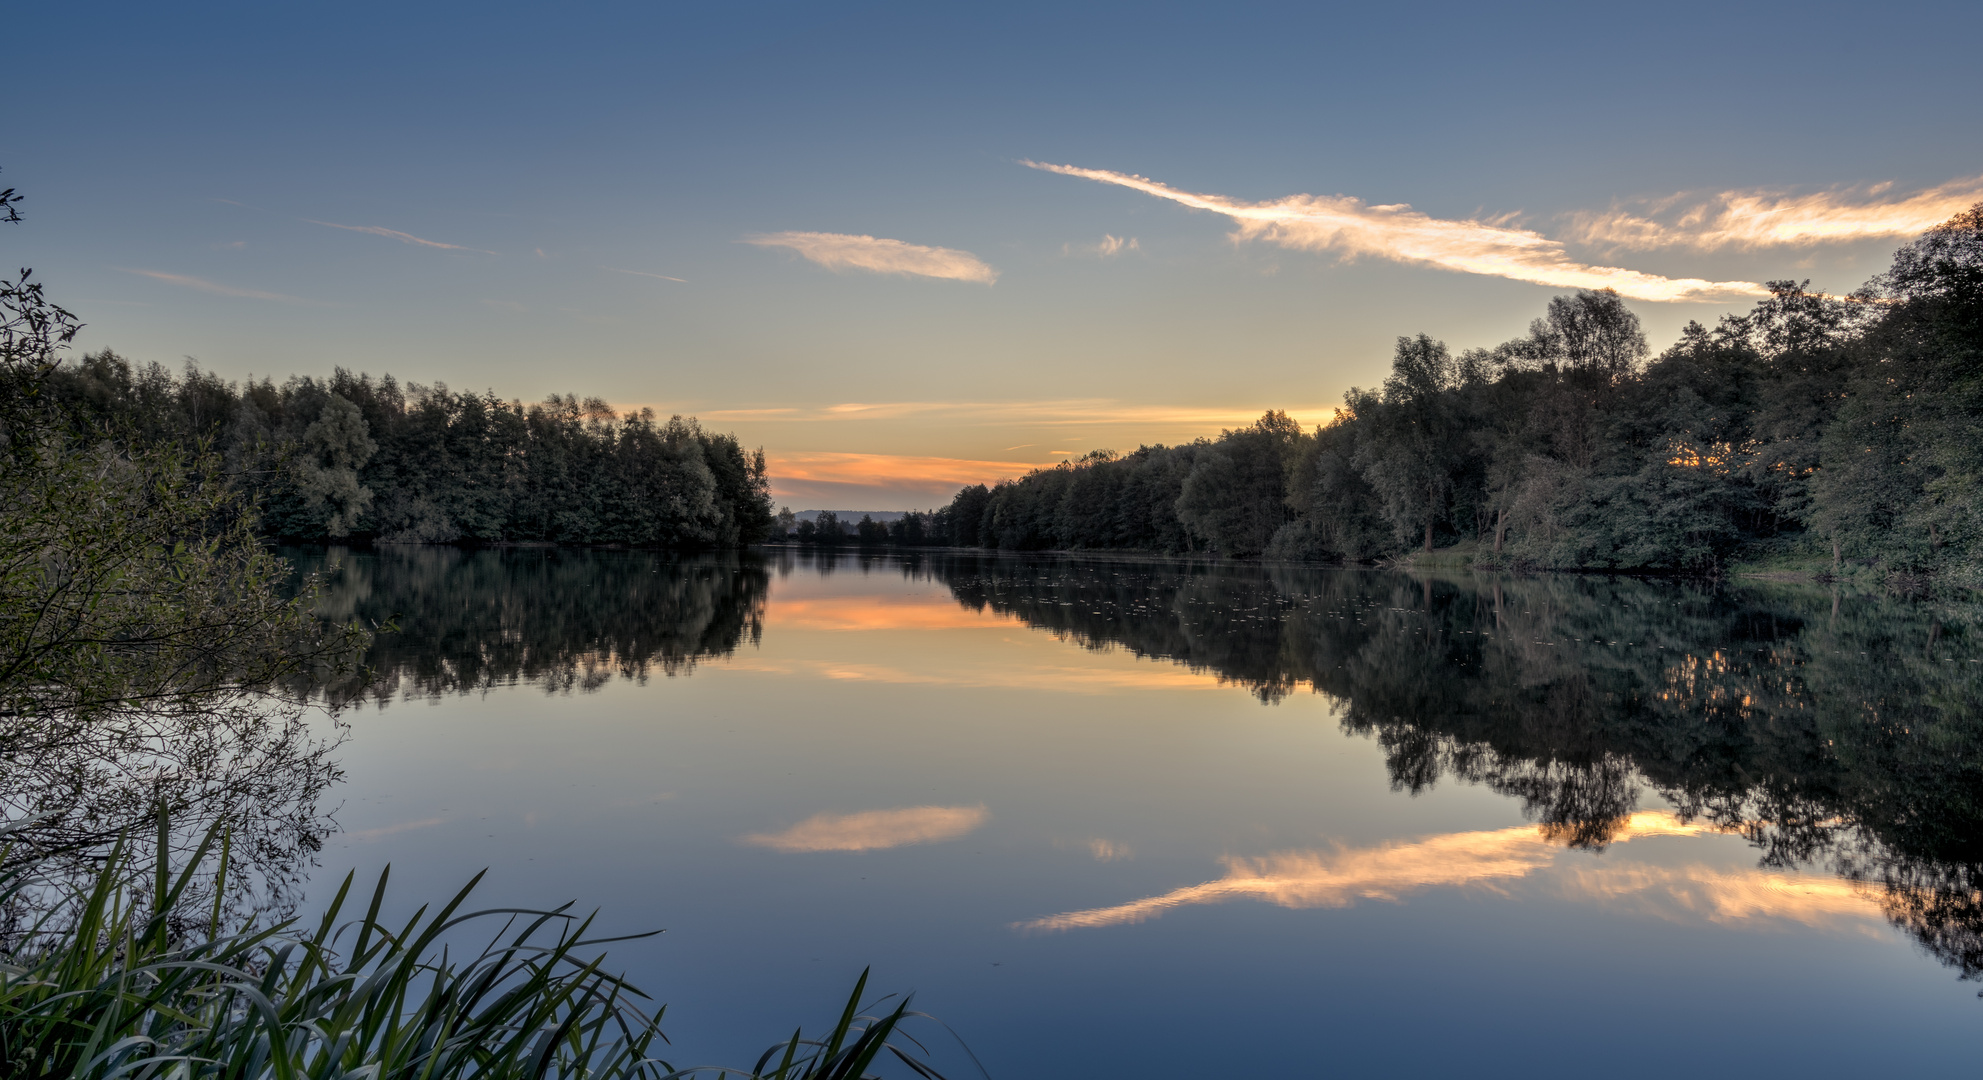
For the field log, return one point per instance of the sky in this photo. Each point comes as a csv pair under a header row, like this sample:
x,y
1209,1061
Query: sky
x,y
905,247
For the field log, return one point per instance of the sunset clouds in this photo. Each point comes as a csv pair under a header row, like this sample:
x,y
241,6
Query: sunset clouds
x,y
1757,219
1351,228
844,251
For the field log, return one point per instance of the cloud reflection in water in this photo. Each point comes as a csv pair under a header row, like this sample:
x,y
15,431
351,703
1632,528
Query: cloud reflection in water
x,y
872,829
1493,860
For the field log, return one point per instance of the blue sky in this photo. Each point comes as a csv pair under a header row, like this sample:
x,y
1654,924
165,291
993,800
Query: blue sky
x,y
251,185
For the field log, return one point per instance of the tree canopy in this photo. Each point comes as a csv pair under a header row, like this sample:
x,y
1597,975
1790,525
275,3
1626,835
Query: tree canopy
x,y
1846,429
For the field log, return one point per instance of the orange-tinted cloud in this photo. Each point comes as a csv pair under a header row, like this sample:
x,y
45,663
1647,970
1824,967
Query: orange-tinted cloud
x,y
1351,227
1755,219
873,829
843,251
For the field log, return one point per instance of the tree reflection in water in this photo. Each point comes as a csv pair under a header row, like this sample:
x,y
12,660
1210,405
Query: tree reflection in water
x,y
458,622
562,620
1842,732
1836,733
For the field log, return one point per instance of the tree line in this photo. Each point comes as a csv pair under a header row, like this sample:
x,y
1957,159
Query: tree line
x,y
352,457
1846,429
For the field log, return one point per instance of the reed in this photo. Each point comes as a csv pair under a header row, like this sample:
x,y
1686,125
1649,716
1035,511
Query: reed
x,y
102,987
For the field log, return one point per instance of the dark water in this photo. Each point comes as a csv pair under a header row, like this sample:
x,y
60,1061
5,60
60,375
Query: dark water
x,y
1151,818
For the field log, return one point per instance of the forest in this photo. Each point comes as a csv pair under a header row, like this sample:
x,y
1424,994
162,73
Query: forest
x,y
1839,433
351,458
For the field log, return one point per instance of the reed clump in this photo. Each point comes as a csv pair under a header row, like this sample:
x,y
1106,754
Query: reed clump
x,y
107,983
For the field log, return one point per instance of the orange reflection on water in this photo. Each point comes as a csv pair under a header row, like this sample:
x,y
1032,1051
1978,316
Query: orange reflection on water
x,y
1495,860
909,612
1146,675
872,829
1721,896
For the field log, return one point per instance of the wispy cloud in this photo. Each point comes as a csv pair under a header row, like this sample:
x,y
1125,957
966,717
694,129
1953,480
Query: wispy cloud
x,y
1755,219
395,234
875,829
188,281
843,251
1109,850
1107,248
1350,227
643,273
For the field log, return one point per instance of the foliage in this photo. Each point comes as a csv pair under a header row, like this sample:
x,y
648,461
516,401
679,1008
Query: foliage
x,y
144,634
351,456
1846,430
108,987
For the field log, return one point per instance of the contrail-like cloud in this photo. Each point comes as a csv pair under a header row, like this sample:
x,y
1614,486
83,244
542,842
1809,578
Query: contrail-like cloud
x,y
643,273
844,251
188,281
1756,219
395,234
1352,228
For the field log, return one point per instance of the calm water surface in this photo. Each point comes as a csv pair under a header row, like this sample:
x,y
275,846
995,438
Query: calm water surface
x,y
1112,818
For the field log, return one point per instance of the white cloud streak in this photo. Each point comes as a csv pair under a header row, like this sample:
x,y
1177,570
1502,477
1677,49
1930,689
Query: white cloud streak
x,y
1756,219
643,273
843,251
395,234
187,281
1350,227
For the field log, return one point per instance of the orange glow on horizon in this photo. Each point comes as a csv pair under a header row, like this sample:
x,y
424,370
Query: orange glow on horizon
x,y
888,470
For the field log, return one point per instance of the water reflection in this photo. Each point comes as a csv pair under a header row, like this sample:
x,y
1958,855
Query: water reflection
x,y
1842,736
562,620
874,829
1499,859
1837,732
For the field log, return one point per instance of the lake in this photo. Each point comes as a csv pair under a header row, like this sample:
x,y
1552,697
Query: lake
x,y
1159,818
